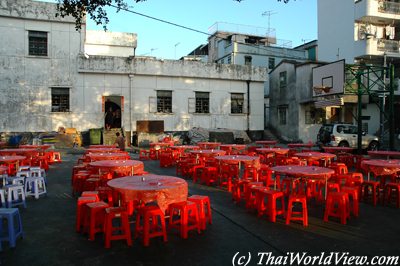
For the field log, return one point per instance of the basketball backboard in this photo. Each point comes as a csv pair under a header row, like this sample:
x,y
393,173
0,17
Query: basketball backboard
x,y
328,79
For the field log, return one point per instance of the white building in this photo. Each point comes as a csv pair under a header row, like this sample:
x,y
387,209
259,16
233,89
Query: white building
x,y
55,76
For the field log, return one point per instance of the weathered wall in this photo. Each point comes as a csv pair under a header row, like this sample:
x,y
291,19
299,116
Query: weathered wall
x,y
25,81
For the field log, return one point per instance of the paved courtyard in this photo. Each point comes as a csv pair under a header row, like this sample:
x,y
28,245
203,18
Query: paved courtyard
x,y
236,233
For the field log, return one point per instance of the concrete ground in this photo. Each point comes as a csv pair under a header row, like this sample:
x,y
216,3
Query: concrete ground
x,y
50,237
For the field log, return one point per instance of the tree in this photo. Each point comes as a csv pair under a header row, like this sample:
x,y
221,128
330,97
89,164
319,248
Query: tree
x,y
95,9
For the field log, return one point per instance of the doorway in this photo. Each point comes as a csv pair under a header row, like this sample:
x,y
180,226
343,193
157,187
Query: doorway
x,y
113,109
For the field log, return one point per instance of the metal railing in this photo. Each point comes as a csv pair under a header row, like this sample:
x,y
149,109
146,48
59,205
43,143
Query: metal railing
x,y
389,7
391,46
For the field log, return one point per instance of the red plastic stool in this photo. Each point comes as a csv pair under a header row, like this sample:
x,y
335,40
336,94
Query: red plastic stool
x,y
250,193
153,224
392,192
144,155
91,184
353,193
238,188
91,194
370,190
209,175
80,210
302,199
79,181
123,230
106,194
333,187
337,205
188,217
56,157
94,222
271,209
288,185
204,207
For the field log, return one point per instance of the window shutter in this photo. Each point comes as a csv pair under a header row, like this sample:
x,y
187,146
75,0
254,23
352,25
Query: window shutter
x,y
192,105
152,105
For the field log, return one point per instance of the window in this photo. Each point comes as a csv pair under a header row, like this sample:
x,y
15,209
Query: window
x,y
282,113
202,102
271,62
60,99
237,102
247,60
229,59
282,79
37,43
164,101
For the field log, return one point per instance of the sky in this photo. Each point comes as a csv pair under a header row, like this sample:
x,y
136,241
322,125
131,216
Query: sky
x,y
295,21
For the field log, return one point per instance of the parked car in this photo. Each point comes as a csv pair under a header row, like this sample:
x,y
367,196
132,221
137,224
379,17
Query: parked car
x,y
345,135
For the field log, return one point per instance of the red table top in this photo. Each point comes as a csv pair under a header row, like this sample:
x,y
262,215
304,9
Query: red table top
x,y
116,163
208,145
11,159
107,156
17,151
304,171
315,155
337,149
101,150
232,146
387,154
147,188
266,142
3,169
381,167
162,144
273,150
185,147
300,145
237,158
208,153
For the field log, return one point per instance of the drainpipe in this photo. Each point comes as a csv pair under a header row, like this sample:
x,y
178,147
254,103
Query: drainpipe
x,y
131,76
248,105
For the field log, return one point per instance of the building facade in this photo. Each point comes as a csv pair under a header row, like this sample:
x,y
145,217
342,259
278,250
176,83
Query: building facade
x,y
54,76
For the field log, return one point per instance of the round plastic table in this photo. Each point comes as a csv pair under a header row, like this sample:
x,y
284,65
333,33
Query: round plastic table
x,y
119,167
93,157
161,189
10,161
386,154
101,150
232,147
381,167
18,151
208,145
313,156
280,151
208,153
42,147
237,158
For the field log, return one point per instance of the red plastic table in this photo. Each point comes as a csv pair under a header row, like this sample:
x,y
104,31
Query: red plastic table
x,y
232,147
101,150
311,172
42,147
208,153
280,151
313,156
92,157
238,158
149,188
386,154
17,151
119,167
381,167
208,145
10,161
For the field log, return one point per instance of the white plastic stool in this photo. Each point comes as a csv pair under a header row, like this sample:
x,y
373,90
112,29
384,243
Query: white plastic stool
x,y
23,168
35,186
14,180
15,195
3,198
24,173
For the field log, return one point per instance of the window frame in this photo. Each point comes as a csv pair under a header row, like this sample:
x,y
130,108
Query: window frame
x,y
248,60
164,102
236,107
202,103
38,45
282,79
59,99
282,114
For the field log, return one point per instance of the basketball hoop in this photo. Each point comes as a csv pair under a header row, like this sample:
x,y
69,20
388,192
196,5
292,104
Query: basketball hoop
x,y
318,90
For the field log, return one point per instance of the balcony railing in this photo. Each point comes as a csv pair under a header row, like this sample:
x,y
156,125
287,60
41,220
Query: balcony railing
x,y
389,7
391,46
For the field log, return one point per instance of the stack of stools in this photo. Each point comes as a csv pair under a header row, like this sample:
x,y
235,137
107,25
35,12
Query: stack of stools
x,y
14,226
392,193
188,217
150,222
271,209
337,205
297,215
204,207
112,232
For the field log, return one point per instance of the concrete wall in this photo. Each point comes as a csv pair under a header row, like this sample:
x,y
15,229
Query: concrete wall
x,y
110,43
139,79
26,81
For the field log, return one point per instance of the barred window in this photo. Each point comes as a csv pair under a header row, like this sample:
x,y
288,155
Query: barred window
x,y
282,79
203,102
271,62
237,101
37,43
247,60
164,101
282,114
60,99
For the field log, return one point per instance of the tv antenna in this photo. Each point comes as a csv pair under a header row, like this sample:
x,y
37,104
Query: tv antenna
x,y
269,13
